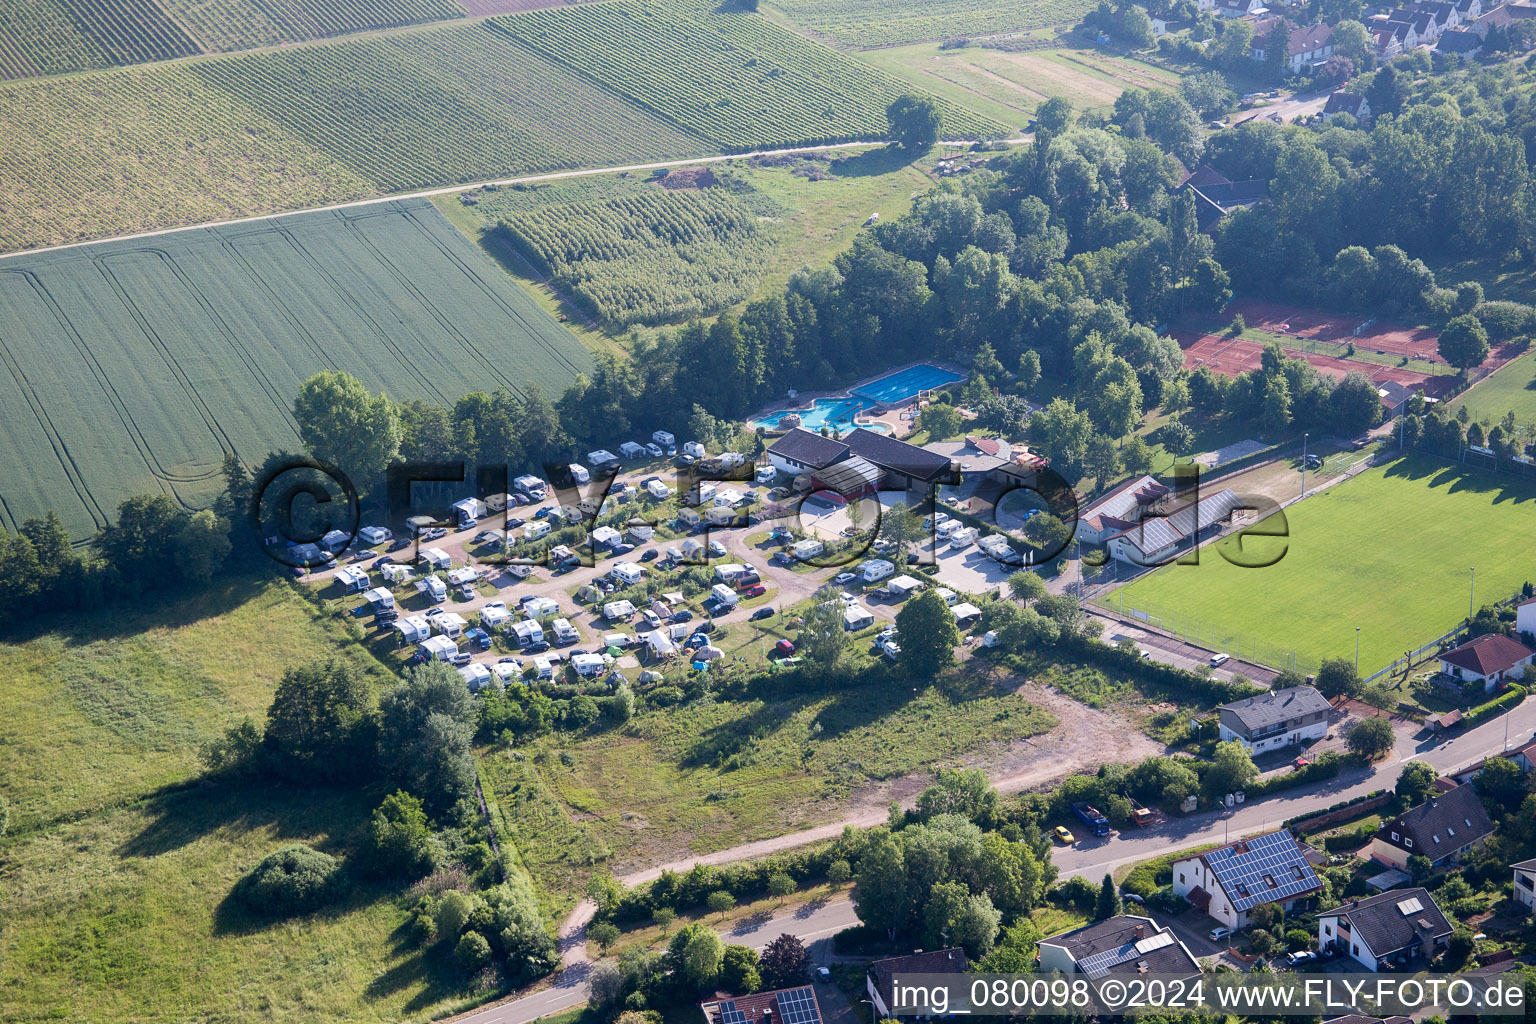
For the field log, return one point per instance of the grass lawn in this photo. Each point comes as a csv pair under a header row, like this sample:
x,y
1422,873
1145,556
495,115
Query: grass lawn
x,y
1387,552
1512,387
125,916
711,774
107,707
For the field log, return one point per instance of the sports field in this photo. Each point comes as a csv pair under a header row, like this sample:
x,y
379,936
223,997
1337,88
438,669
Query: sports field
x,y
1512,388
1388,551
134,367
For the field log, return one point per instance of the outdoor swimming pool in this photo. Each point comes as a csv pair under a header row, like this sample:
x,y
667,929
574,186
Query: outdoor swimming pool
x,y
839,412
904,384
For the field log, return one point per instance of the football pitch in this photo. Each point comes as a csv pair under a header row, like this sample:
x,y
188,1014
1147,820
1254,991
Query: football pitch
x,y
1389,552
134,367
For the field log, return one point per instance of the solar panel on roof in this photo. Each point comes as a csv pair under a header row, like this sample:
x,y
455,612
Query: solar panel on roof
x,y
730,1015
1274,854
798,1005
1152,942
1410,906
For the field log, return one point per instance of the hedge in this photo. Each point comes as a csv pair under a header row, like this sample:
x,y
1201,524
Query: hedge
x,y
1335,807
1326,766
1206,691
1504,702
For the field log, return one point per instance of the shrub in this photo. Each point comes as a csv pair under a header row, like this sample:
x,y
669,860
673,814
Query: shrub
x,y
472,952
294,880
1505,320
1504,702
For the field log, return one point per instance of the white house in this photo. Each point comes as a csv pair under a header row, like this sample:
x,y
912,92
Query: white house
x,y
1442,829
724,595
879,978
470,509
1401,929
1525,883
1276,718
1489,659
435,558
1525,617
375,535
1231,880
413,629
876,569
477,677
440,648
856,616
626,573
618,611
1126,944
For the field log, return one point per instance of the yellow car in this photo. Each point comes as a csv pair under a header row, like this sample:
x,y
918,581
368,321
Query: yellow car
x,y
1063,835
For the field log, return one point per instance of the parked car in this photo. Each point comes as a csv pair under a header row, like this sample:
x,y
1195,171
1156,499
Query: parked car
x,y
384,618
400,544
784,648
648,555
654,450
623,549
651,619
1063,835
684,615
1218,934
537,647
461,659
1301,956
1218,660
764,612
843,578
755,590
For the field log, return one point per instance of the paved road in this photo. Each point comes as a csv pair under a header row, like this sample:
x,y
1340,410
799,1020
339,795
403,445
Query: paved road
x,y
1093,858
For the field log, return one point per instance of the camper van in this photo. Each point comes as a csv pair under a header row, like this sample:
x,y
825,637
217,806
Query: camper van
x,y
579,473
875,570
531,486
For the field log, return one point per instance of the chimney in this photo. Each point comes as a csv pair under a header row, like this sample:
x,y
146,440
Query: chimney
x,y
1139,931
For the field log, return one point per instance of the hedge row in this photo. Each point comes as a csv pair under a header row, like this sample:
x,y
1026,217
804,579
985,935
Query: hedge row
x,y
1504,702
1207,691
1326,766
745,881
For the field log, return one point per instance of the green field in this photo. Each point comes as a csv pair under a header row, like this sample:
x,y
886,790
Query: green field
x,y
1510,388
1388,551
894,22
730,76
134,367
1008,86
49,37
643,253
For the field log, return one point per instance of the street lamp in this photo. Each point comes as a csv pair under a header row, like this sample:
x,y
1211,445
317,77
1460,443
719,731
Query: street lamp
x,y
1304,464
1471,593
1357,650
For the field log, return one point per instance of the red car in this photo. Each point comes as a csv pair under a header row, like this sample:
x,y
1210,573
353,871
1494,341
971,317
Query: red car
x,y
784,648
755,590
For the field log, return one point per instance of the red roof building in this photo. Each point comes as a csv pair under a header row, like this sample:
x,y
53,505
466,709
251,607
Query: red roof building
x,y
1490,659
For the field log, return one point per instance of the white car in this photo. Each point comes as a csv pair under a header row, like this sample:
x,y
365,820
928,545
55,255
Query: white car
x,y
1218,660
1218,934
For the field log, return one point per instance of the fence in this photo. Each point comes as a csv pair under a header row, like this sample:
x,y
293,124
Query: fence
x,y
1414,657
1212,637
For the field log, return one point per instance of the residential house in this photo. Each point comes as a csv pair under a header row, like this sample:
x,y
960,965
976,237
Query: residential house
x,y
1240,8
1352,103
1276,718
1122,945
1229,881
1305,46
781,1006
878,978
1525,616
1387,39
1443,828
1401,929
1466,45
1489,659
1525,883
1216,195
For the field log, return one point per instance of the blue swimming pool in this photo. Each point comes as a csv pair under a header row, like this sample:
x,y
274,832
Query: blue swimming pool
x,y
831,413
904,384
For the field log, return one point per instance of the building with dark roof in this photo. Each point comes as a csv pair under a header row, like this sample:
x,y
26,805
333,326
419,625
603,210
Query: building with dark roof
x,y
860,462
1216,195
1401,929
1275,719
1442,828
1489,659
1351,103
1160,538
1120,945
1229,881
877,980
1466,45
781,1006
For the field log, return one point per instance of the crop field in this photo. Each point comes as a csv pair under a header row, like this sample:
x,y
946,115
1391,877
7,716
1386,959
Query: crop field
x,y
730,76
459,104
1511,388
1010,86
43,37
135,366
245,24
872,23
1385,534
650,255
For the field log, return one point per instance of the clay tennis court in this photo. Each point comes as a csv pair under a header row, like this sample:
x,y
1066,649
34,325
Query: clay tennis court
x,y
1295,321
1232,356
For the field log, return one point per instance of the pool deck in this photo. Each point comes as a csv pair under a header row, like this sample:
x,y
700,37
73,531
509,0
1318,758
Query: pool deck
x,y
898,416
